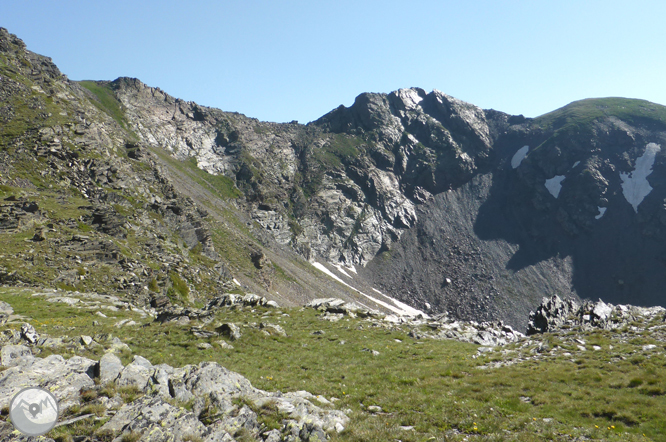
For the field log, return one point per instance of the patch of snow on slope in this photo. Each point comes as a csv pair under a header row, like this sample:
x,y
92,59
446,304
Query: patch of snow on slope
x,y
236,282
352,269
554,185
342,271
575,164
635,186
411,310
399,311
519,156
602,210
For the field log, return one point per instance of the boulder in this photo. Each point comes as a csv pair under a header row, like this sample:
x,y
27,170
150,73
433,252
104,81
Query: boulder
x,y
110,367
230,330
29,333
13,355
551,314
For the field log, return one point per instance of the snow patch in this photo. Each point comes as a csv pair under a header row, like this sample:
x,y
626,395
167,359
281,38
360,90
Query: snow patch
x,y
635,186
602,210
352,269
404,311
412,311
339,267
575,164
519,156
236,282
554,185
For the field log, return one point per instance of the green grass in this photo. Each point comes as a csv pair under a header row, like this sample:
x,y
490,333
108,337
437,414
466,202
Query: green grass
x,y
340,149
220,184
106,100
431,385
583,112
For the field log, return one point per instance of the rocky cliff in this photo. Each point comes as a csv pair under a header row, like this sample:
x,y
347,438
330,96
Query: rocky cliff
x,y
409,199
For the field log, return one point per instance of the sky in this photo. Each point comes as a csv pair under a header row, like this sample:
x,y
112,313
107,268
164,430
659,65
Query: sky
x,y
297,60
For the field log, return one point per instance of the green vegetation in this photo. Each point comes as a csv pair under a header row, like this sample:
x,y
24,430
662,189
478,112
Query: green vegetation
x,y
582,113
220,184
340,149
106,100
433,386
179,288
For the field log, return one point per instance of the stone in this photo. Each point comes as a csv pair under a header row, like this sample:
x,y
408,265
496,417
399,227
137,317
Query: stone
x,y
86,340
224,345
550,314
64,378
230,330
13,355
136,373
204,346
157,418
272,329
29,333
110,367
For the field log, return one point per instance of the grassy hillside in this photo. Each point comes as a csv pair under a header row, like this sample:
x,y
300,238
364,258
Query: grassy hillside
x,y
545,388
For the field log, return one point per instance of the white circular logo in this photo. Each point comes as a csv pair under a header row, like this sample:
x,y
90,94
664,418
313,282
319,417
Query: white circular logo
x,y
33,411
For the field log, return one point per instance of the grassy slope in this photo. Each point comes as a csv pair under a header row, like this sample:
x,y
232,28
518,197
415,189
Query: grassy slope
x,y
583,112
431,385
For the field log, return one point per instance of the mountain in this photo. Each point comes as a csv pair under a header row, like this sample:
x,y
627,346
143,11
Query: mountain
x,y
409,201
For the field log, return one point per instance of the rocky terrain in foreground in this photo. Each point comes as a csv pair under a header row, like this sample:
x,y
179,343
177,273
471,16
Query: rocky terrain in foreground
x,y
140,401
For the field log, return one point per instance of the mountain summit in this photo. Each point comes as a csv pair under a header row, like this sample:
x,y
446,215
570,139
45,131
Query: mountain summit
x,y
405,202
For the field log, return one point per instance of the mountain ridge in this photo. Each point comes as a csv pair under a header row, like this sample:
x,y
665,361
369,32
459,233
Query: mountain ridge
x,y
414,192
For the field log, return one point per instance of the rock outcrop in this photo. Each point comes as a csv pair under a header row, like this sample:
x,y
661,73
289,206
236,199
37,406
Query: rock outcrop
x,y
158,414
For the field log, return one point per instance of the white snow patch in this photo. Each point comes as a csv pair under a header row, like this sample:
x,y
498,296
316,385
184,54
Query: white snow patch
x,y
352,269
428,305
554,185
602,210
407,311
575,164
342,271
519,156
411,310
635,186
236,282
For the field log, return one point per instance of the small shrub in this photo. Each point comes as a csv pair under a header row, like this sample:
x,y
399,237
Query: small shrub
x,y
89,395
130,393
179,285
109,390
152,285
131,437
635,382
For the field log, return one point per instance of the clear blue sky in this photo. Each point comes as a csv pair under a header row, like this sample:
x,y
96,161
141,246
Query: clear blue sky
x,y
297,60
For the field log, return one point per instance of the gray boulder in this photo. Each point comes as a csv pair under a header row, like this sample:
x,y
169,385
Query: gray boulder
x,y
136,373
13,355
29,333
230,330
64,378
110,367
551,314
155,420
272,329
